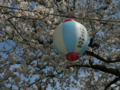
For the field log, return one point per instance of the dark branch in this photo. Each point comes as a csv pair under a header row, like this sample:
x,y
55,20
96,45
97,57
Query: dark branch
x,y
100,68
41,42
107,70
101,58
24,17
16,29
114,81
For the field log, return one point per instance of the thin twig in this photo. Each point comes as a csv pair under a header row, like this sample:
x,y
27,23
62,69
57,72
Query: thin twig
x,y
16,8
16,29
23,17
19,32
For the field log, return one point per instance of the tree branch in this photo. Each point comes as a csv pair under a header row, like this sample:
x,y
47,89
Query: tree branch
x,y
114,81
105,69
41,42
23,17
16,29
15,8
100,68
92,53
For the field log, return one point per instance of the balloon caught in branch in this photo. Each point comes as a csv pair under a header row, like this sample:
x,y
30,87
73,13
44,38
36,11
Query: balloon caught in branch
x,y
70,39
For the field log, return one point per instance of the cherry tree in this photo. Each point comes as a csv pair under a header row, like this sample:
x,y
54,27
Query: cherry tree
x,y
27,26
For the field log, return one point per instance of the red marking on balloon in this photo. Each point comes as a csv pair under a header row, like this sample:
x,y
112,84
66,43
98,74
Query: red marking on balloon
x,y
69,20
73,56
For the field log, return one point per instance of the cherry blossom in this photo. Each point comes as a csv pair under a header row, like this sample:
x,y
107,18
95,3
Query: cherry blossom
x,y
27,49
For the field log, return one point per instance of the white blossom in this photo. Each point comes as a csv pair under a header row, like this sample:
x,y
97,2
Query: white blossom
x,y
23,5
19,70
9,72
3,30
4,37
65,71
88,25
48,4
34,65
50,72
17,79
38,46
76,14
21,89
47,11
87,57
55,21
28,30
57,57
51,32
63,3
67,76
37,9
49,22
51,11
89,48
9,30
82,14
1,2
52,46
71,69
32,44
12,60
58,68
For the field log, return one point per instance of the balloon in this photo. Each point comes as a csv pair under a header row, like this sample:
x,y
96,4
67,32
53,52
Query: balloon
x,y
70,39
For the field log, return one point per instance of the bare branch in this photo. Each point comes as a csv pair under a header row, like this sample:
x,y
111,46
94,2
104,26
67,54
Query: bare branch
x,y
100,68
16,29
30,18
41,42
16,8
114,81
101,58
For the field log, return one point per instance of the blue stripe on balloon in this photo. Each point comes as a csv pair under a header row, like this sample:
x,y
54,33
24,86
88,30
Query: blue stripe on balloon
x,y
58,50
86,45
69,35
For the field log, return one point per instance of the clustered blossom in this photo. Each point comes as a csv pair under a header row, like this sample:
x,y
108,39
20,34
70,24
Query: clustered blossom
x,y
23,5
71,69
